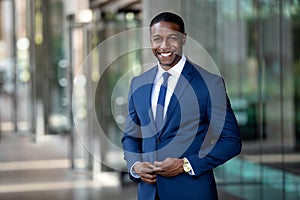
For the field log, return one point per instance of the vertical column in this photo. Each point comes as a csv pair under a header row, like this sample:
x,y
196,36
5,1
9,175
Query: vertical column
x,y
32,65
297,108
14,57
0,58
87,71
1,18
71,20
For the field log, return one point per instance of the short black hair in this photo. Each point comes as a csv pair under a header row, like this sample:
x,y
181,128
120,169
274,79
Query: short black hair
x,y
169,17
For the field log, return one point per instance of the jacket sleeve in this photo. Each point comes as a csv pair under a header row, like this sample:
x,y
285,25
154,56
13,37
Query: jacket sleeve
x,y
222,141
132,140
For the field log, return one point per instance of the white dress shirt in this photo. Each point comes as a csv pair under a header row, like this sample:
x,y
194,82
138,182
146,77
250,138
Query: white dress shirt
x,y
175,72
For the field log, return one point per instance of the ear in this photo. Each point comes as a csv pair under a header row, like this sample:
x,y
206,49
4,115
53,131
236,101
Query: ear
x,y
183,38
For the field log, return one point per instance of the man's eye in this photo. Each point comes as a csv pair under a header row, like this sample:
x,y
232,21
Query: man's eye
x,y
156,39
173,38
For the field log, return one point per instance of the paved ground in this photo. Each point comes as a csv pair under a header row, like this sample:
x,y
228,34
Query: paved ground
x,y
30,170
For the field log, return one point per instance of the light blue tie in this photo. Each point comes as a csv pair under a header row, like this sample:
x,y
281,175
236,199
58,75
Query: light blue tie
x,y
161,101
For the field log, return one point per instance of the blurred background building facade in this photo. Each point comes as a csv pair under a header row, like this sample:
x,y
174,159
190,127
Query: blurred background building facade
x,y
65,67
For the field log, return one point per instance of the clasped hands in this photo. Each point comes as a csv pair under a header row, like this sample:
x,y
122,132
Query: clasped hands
x,y
169,167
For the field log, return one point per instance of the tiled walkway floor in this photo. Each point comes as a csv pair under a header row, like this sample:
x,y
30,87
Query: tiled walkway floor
x,y
254,181
30,170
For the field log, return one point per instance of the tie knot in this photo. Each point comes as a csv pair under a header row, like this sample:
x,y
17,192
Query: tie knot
x,y
166,75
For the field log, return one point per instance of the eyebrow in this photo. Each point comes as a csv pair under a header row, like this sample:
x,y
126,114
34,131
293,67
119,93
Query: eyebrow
x,y
158,35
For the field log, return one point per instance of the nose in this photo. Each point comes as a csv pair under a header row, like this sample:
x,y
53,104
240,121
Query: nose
x,y
165,43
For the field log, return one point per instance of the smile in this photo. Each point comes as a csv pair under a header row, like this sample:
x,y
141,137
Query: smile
x,y
165,54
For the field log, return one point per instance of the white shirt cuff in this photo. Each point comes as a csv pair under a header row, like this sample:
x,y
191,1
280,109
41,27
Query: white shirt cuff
x,y
192,173
132,172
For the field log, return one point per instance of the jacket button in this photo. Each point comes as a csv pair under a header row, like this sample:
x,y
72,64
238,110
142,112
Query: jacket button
x,y
158,140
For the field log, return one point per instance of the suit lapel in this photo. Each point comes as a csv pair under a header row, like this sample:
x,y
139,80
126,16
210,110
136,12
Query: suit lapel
x,y
149,79
181,85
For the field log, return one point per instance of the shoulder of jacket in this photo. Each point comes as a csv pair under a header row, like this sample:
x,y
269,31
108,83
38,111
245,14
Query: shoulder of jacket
x,y
204,72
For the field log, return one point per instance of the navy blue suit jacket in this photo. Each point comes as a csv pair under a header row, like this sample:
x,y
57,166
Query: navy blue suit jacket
x,y
199,125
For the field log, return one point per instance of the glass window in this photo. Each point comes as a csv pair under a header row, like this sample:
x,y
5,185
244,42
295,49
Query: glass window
x,y
254,44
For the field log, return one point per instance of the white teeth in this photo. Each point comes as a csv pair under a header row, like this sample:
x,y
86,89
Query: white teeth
x,y
166,54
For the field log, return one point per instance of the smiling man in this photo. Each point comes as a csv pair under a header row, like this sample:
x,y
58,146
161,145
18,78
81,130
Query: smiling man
x,y
180,124
167,41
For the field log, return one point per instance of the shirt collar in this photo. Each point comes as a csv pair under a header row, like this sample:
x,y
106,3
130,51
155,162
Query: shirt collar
x,y
174,71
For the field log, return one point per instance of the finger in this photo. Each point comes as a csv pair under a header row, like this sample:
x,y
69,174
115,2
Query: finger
x,y
150,165
157,169
147,171
157,164
150,181
149,178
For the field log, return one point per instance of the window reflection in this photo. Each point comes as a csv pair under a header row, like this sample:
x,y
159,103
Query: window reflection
x,y
254,44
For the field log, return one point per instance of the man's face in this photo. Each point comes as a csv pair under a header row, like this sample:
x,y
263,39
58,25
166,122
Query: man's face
x,y
167,43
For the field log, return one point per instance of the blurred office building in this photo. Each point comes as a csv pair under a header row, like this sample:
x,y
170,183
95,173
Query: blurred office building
x,y
65,69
